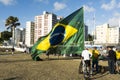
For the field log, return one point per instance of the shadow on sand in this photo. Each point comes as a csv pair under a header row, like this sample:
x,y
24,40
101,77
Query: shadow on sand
x,y
12,61
13,78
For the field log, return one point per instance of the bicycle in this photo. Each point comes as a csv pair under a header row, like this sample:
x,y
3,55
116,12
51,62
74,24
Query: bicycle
x,y
84,69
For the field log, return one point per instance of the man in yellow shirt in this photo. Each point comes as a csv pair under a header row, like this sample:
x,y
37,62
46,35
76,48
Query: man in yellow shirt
x,y
118,60
95,55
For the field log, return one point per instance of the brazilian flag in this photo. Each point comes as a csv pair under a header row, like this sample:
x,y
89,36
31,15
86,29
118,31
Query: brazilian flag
x,y
69,32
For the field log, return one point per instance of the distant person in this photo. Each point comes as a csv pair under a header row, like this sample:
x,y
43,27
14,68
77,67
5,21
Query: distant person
x,y
104,51
111,60
95,55
86,57
13,50
118,60
103,54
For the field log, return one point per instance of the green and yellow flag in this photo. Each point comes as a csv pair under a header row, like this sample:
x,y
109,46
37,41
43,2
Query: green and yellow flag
x,y
69,32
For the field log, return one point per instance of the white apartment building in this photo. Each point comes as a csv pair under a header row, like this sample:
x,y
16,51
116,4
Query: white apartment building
x,y
107,35
19,36
29,34
44,24
101,34
114,35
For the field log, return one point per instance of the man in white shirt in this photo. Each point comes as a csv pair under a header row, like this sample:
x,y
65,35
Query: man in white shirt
x,y
86,57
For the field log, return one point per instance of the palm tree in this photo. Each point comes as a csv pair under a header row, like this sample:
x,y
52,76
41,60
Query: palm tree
x,y
11,23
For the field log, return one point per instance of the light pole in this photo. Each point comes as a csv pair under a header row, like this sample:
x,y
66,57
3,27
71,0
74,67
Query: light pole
x,y
94,29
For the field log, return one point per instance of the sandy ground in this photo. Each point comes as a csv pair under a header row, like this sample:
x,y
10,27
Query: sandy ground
x,y
22,67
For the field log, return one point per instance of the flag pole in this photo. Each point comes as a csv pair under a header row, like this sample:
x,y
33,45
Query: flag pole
x,y
119,27
94,29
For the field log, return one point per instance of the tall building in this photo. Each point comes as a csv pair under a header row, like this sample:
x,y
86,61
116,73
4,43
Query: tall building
x,y
86,32
19,36
107,35
101,34
44,24
114,35
29,34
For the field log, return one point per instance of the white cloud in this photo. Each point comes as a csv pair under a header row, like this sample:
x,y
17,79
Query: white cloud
x,y
103,15
116,14
109,6
88,8
114,21
119,5
44,1
2,25
58,6
8,2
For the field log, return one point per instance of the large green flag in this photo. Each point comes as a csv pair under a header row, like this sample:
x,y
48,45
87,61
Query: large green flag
x,y
68,34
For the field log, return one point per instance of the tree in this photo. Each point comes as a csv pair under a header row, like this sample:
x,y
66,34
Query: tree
x,y
90,37
1,40
11,23
5,35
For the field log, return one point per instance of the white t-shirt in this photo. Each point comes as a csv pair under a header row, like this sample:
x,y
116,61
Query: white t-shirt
x,y
86,54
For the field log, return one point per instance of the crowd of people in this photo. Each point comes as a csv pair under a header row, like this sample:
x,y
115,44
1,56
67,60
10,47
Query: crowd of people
x,y
91,58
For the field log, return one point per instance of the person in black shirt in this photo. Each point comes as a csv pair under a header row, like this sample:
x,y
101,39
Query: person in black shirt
x,y
111,60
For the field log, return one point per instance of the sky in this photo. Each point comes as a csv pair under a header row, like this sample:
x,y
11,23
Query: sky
x,y
96,12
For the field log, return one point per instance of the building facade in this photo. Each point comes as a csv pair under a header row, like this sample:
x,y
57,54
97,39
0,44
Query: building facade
x,y
86,32
114,35
101,34
29,34
19,36
44,24
107,35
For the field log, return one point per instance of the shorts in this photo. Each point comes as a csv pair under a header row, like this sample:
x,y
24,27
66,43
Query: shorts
x,y
87,62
